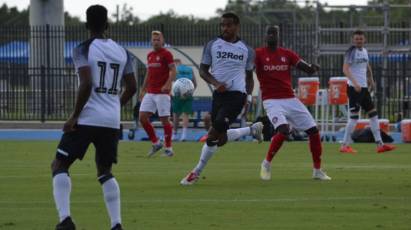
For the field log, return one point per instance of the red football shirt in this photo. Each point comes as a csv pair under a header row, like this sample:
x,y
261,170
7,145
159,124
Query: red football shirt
x,y
274,72
158,63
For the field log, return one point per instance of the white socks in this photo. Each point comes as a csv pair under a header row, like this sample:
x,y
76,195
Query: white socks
x,y
375,129
111,192
234,134
61,193
348,131
184,134
206,153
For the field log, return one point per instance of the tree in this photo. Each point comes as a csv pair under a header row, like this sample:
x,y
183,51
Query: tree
x,y
70,20
171,17
125,17
12,16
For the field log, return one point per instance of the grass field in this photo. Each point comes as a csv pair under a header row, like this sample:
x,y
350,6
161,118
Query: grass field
x,y
368,190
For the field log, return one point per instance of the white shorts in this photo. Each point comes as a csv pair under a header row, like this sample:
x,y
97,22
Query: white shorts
x,y
156,102
289,111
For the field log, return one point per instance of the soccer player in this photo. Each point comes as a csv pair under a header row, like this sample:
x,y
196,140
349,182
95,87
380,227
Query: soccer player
x,y
101,65
273,67
183,106
359,73
227,64
155,93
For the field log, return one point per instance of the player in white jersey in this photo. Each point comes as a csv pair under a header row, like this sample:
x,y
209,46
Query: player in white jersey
x,y
358,71
227,64
101,65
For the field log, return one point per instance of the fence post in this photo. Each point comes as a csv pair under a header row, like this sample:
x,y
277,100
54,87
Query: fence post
x,y
43,93
379,90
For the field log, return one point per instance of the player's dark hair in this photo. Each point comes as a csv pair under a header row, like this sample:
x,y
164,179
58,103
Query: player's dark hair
x,y
358,32
96,18
235,18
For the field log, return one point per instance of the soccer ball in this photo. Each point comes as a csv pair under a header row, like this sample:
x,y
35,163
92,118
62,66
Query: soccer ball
x,y
183,87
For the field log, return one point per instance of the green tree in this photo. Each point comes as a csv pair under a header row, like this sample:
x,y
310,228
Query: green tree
x,y
125,16
12,16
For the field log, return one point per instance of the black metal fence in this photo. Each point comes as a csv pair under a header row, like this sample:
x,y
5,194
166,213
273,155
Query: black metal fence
x,y
38,82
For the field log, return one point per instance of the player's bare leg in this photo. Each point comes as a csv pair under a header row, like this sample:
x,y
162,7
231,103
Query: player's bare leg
x,y
185,127
176,124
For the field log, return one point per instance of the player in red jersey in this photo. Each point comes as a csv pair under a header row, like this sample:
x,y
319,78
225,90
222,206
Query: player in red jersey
x,y
155,93
273,67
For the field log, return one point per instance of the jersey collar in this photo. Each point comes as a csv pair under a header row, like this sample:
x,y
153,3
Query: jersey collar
x,y
235,41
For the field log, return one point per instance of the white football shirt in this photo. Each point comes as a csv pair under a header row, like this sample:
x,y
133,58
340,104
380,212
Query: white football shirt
x,y
228,62
109,62
357,59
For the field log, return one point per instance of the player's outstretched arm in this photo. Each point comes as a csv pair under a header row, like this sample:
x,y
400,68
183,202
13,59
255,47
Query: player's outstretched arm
x,y
308,68
131,88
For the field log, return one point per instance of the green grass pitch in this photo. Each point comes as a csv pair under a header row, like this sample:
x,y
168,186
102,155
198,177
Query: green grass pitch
x,y
368,190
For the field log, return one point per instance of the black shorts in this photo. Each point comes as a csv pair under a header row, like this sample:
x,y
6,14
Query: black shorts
x,y
359,100
226,107
74,145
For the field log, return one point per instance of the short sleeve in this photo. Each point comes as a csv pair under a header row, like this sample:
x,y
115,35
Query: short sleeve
x,y
168,56
294,58
80,58
250,59
207,57
349,55
128,68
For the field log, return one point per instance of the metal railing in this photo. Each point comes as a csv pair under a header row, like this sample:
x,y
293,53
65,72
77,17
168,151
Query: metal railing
x,y
38,82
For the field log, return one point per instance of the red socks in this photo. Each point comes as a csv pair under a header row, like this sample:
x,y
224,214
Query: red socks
x,y
168,130
316,149
275,145
150,132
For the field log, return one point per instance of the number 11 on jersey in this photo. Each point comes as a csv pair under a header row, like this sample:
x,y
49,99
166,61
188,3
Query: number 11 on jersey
x,y
102,89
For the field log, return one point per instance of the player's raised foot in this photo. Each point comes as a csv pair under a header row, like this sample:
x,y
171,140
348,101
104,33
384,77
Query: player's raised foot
x,y
257,131
385,148
155,148
117,227
265,171
347,149
66,224
319,174
190,179
168,152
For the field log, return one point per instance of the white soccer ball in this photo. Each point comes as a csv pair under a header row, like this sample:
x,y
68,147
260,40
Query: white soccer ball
x,y
183,87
